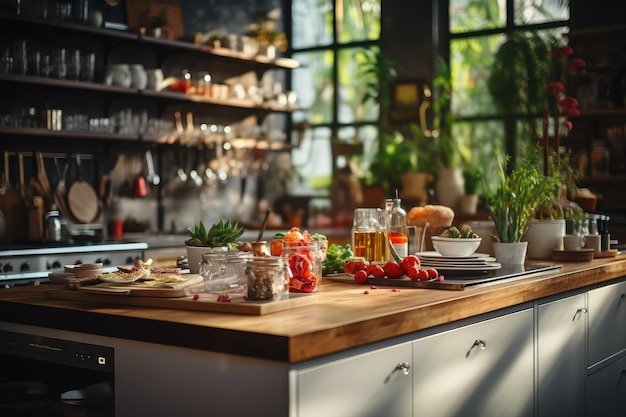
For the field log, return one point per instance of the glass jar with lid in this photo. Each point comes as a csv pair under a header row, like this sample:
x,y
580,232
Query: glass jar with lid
x,y
224,272
268,278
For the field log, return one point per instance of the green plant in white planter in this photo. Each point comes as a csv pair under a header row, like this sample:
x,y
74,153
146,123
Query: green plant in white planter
x,y
222,236
516,195
472,176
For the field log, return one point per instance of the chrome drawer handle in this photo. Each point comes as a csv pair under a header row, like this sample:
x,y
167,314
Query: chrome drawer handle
x,y
579,312
477,343
405,367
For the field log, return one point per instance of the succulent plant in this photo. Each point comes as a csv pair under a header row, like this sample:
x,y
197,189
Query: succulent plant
x,y
223,233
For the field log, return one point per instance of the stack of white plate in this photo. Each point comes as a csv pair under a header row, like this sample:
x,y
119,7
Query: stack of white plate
x,y
474,263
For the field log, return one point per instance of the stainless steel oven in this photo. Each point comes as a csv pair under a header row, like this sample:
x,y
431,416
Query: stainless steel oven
x,y
46,376
32,263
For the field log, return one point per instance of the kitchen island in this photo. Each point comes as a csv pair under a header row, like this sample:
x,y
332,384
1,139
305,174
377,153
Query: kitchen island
x,y
363,351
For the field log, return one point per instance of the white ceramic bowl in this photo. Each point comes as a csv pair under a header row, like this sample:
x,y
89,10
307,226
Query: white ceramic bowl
x,y
449,246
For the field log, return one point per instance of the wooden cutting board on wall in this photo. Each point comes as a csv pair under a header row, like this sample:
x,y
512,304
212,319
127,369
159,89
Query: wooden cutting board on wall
x,y
12,206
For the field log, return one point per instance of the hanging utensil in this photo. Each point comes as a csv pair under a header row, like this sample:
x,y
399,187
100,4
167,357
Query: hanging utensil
x,y
153,178
60,191
193,172
190,132
179,126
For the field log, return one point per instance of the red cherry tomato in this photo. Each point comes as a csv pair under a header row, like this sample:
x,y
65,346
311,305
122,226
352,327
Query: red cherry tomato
x,y
360,276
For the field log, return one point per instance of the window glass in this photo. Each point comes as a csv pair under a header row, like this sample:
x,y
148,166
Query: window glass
x,y
312,23
540,11
312,160
478,141
467,16
353,86
358,20
470,62
313,83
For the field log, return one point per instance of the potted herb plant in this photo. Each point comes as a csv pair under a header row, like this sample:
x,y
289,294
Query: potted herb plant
x,y
512,202
158,23
472,176
221,237
401,159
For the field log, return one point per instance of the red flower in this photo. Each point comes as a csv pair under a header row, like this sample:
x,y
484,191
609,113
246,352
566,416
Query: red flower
x,y
563,51
568,102
575,63
555,86
571,111
567,124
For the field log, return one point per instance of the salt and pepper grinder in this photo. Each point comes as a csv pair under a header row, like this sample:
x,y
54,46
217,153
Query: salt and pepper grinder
x,y
603,230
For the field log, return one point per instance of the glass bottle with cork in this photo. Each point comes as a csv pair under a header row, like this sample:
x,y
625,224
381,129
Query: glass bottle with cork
x,y
396,221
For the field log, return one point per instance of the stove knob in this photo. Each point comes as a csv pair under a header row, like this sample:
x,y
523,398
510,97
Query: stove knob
x,y
130,260
56,265
105,261
7,267
25,267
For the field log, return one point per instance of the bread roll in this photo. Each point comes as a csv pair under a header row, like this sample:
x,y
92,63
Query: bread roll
x,y
435,215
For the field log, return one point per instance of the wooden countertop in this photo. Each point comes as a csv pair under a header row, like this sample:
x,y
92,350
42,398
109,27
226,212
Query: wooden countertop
x,y
344,316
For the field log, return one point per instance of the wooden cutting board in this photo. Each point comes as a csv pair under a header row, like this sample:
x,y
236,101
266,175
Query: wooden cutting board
x,y
13,208
582,255
140,289
180,299
82,198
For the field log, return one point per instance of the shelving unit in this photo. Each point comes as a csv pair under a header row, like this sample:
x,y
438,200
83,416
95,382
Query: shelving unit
x,y
601,91
33,94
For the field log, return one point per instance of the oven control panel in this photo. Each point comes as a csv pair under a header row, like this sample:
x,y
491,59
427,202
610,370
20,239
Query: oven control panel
x,y
63,352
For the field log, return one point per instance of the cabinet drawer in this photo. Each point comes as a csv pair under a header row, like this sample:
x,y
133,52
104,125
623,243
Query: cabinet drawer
x,y
561,370
484,369
607,321
606,390
366,385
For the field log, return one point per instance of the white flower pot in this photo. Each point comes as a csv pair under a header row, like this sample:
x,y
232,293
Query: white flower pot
x,y
450,187
543,236
194,256
468,203
513,253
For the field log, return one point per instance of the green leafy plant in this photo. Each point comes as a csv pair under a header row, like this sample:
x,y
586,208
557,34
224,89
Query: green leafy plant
x,y
223,233
516,195
449,154
472,177
160,20
399,153
378,72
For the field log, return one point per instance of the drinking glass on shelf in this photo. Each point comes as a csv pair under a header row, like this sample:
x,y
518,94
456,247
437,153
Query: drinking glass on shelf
x,y
59,64
44,66
34,64
87,66
20,57
6,61
73,64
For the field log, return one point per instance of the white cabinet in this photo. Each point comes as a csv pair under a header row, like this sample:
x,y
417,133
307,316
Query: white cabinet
x,y
484,369
607,322
372,384
606,387
561,369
